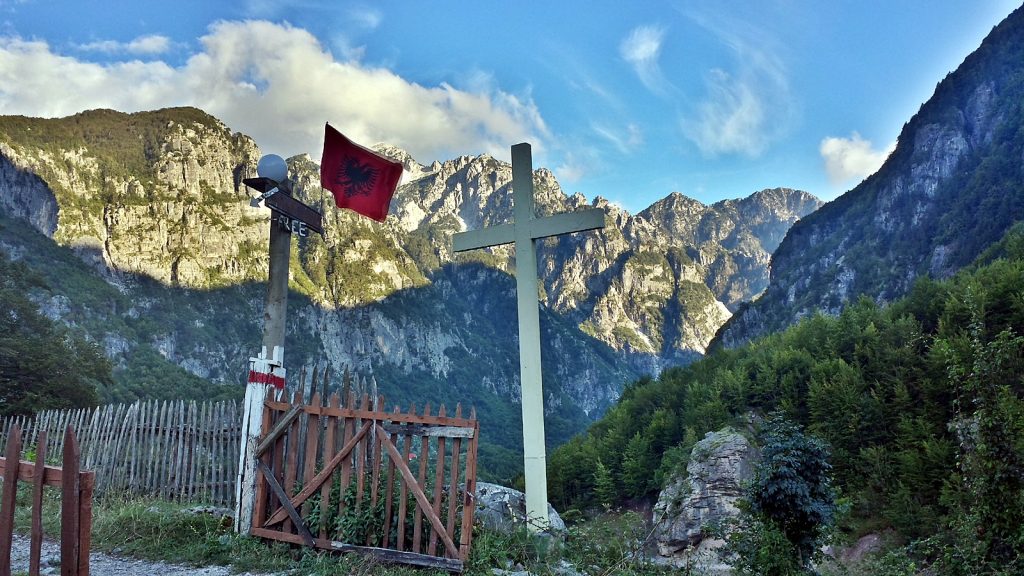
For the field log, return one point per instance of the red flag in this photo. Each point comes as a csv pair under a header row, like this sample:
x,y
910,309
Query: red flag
x,y
359,178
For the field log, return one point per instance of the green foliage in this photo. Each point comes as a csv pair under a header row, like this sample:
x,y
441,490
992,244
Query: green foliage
x,y
921,401
792,491
605,487
989,420
113,137
146,375
100,312
42,364
611,543
758,547
157,530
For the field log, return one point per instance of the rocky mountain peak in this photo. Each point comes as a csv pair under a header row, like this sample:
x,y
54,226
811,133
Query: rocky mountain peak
x,y
162,200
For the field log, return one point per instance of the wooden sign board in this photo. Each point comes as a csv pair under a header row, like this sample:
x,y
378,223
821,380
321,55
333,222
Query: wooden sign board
x,y
292,209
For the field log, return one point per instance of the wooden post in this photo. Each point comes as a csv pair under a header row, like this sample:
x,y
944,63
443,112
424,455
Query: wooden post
x,y
7,499
70,507
36,544
266,370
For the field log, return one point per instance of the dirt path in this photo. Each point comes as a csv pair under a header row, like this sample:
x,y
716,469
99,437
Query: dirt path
x,y
101,564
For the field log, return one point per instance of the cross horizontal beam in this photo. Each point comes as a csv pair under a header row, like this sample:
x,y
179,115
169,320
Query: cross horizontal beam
x,y
564,223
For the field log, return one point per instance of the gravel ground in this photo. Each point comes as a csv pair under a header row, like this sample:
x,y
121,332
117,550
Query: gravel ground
x,y
101,564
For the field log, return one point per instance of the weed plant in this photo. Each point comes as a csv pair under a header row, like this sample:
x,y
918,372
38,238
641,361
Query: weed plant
x,y
146,528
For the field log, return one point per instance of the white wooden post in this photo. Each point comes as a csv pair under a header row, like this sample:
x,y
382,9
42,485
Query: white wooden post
x,y
524,231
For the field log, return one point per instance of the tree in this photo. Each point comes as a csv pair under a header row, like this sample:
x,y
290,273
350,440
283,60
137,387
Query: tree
x,y
637,464
792,490
42,365
986,372
604,485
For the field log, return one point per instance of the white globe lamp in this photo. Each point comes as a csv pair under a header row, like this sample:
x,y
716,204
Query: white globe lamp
x,y
273,167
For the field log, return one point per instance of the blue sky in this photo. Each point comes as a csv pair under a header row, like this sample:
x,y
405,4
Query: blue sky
x,y
625,100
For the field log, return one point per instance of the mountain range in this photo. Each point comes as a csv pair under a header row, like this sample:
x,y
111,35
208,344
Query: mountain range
x,y
142,228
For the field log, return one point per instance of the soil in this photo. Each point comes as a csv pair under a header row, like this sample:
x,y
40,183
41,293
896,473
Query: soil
x,y
101,564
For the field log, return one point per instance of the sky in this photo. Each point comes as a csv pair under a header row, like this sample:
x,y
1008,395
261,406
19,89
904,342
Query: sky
x,y
628,101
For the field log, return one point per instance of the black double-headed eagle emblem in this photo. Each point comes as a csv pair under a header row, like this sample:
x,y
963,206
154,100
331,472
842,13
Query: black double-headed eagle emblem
x,y
357,178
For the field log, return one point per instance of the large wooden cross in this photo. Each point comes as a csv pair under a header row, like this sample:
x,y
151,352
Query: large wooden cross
x,y
523,231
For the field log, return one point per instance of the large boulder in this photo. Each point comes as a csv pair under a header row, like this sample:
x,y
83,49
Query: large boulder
x,y
706,495
504,509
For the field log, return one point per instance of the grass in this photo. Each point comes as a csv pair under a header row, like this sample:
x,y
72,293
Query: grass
x,y
152,529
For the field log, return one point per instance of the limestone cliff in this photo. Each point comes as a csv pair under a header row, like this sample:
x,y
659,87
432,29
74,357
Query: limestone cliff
x,y
952,187
157,194
154,202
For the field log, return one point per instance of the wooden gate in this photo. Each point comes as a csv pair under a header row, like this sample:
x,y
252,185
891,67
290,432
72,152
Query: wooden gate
x,y
76,503
398,486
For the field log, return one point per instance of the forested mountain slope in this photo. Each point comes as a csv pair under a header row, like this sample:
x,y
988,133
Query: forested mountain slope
x,y
922,403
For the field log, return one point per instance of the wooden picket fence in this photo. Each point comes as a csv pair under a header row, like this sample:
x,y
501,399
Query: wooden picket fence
x,y
76,503
398,486
177,450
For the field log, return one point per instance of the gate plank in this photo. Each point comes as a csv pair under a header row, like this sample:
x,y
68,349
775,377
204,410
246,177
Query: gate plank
x,y
403,497
376,465
430,430
421,484
346,467
361,457
453,484
438,482
278,429
389,497
307,538
291,469
421,498
329,446
320,478
390,556
312,444
469,494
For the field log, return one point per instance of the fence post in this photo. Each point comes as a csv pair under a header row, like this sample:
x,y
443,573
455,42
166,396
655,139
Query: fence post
x,y
11,465
36,546
86,484
69,519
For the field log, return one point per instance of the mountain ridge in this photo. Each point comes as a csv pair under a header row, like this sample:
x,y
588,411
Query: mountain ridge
x,y
182,249
950,188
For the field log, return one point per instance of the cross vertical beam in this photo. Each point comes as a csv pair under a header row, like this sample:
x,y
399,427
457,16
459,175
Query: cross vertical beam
x,y
524,232
532,395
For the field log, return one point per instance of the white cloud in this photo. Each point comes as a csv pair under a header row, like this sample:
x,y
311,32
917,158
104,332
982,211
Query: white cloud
x,y
747,108
625,140
570,172
148,45
365,17
851,158
641,49
277,84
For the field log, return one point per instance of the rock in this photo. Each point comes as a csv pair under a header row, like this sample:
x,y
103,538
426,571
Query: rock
x,y
866,545
719,466
504,509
